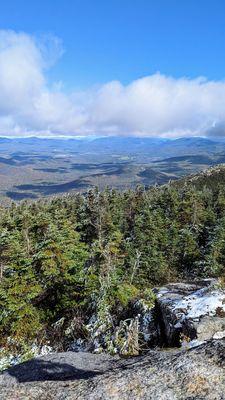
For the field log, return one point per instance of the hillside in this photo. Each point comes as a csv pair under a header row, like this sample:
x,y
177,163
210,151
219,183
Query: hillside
x,y
92,272
211,178
87,258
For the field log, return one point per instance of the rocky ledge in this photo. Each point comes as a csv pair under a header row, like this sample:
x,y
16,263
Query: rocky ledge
x,y
189,314
183,314
186,332
178,374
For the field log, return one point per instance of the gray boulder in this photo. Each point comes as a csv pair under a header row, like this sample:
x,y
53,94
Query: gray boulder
x,y
177,374
189,314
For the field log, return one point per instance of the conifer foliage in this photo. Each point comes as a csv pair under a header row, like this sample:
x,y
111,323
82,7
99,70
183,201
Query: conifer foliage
x,y
96,253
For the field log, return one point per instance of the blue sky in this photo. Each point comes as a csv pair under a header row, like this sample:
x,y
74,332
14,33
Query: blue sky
x,y
126,39
140,68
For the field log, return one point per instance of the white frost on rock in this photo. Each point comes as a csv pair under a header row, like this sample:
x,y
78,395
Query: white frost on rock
x,y
192,313
200,304
219,335
9,360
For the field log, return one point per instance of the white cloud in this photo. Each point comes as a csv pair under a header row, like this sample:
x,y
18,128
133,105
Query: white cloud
x,y
151,106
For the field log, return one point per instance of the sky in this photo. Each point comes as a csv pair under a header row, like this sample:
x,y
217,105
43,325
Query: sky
x,y
96,67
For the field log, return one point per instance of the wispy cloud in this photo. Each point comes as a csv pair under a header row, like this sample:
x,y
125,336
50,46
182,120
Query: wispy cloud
x,y
155,105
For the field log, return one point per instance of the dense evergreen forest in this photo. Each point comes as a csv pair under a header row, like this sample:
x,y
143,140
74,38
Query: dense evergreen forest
x,y
96,253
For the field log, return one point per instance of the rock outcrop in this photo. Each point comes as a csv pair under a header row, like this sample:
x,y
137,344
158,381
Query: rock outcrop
x,y
184,315
189,314
186,330
178,374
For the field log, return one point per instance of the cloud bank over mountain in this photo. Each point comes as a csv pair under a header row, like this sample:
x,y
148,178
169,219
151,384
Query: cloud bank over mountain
x,y
155,105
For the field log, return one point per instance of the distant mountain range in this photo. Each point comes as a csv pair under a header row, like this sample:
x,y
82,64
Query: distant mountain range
x,y
154,147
